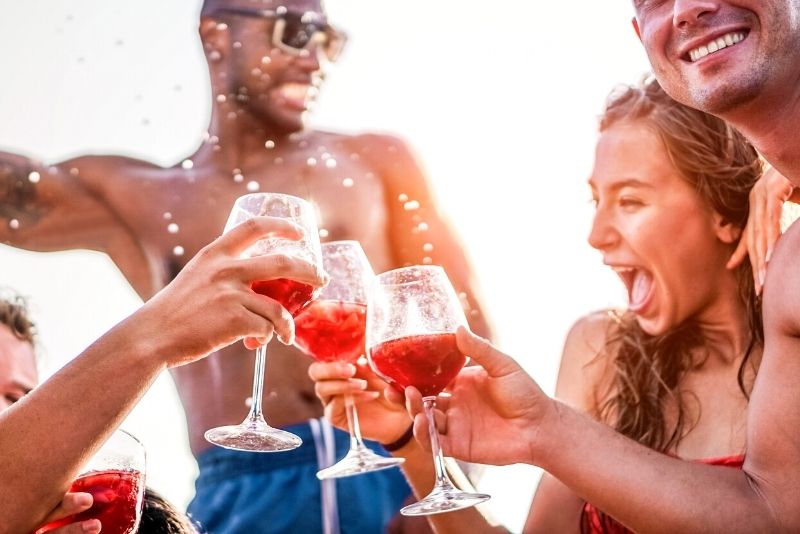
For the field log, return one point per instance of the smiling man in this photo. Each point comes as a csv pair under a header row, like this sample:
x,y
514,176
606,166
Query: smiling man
x,y
266,62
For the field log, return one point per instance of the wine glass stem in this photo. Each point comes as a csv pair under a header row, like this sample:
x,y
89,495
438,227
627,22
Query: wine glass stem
x,y
356,442
442,480
255,414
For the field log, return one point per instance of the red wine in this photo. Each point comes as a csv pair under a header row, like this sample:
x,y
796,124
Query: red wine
x,y
331,330
428,362
293,296
117,501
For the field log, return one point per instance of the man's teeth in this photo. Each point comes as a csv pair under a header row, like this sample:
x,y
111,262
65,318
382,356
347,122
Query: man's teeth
x,y
729,39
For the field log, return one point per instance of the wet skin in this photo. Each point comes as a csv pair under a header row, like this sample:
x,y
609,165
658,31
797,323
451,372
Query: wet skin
x,y
117,205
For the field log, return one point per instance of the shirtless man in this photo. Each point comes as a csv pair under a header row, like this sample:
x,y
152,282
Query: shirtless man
x,y
266,65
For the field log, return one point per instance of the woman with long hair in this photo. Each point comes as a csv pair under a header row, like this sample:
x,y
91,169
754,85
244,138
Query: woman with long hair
x,y
674,370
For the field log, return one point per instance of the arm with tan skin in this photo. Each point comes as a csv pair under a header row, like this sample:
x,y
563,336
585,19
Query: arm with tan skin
x,y
208,306
61,207
421,231
498,415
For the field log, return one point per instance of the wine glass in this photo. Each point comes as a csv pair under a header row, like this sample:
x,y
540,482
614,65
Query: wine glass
x,y
412,316
332,329
254,434
115,478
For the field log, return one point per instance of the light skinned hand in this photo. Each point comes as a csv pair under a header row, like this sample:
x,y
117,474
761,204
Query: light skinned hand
x,y
763,226
379,418
71,504
494,412
210,304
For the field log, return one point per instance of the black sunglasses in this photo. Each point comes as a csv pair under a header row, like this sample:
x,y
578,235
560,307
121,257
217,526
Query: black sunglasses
x,y
296,33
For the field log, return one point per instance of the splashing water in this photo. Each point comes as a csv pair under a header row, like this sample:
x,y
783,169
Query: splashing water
x,y
173,228
348,182
34,177
187,164
411,205
253,186
13,224
178,250
270,144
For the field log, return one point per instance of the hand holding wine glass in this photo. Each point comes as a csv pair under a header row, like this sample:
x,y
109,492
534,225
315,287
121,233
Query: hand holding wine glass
x,y
332,328
412,316
254,434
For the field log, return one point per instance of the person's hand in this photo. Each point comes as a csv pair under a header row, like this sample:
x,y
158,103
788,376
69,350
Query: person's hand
x,y
71,504
494,412
379,418
763,226
210,304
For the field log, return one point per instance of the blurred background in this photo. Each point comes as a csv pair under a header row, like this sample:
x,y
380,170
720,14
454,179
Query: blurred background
x,y
500,102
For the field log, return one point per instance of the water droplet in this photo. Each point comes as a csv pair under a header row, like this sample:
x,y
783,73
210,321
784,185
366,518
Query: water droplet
x,y
13,224
323,233
402,197
427,260
238,178
52,169
167,216
221,98
187,164
213,139
266,60
411,205
422,227
34,177
303,144
178,251
256,72
253,186
331,163
311,162
323,155
427,247
232,115
214,55
222,26
278,160
348,182
248,402
237,44
269,144
281,10
173,228
74,171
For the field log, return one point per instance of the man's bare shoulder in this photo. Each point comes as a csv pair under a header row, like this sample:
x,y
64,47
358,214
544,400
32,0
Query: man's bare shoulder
x,y
782,287
101,172
362,140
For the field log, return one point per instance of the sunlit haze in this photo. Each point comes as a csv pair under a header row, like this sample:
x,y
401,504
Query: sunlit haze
x,y
499,100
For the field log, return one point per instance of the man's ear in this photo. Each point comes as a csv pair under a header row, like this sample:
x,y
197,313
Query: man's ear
x,y
215,36
635,24
726,231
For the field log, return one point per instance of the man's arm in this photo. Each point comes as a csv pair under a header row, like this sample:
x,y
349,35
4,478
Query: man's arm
x,y
418,231
47,208
49,434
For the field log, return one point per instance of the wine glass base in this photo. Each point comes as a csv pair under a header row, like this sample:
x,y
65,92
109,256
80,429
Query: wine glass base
x,y
357,461
444,500
253,438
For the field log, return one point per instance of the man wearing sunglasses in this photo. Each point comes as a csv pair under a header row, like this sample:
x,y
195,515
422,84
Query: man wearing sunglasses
x,y
266,63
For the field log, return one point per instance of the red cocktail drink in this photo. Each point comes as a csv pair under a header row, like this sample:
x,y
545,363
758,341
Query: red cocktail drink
x,y
117,501
428,362
293,296
332,330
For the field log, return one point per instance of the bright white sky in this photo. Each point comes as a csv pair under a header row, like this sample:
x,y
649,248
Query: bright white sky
x,y
499,100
